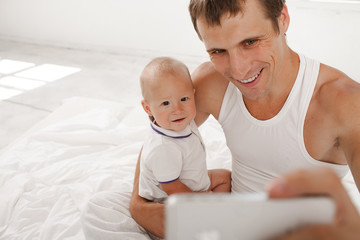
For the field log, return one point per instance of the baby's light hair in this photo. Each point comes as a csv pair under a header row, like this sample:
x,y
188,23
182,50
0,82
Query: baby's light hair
x,y
158,67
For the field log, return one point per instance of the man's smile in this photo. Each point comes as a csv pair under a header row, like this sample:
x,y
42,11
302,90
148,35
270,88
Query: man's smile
x,y
250,79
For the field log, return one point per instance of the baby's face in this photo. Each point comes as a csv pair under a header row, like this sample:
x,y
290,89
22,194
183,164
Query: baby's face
x,y
172,102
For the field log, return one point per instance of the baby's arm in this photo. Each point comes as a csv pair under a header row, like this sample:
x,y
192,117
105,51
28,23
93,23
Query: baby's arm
x,y
220,182
166,165
175,187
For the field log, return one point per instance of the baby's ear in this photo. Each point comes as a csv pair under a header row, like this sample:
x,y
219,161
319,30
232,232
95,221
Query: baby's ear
x,y
146,107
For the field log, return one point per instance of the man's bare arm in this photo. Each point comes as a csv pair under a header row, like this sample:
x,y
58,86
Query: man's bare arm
x,y
210,88
345,95
338,101
149,215
350,138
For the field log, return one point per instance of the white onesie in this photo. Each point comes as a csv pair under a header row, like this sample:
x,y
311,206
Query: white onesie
x,y
168,155
263,150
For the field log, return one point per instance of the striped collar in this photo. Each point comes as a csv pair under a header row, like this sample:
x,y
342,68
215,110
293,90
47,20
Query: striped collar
x,y
170,133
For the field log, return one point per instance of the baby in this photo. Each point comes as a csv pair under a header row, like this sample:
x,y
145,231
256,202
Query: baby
x,y
173,158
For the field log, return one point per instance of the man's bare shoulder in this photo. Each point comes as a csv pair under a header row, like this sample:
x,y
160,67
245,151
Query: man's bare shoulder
x,y
210,87
338,93
208,78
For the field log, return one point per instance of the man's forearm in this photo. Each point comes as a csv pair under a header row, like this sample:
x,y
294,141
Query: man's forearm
x,y
149,215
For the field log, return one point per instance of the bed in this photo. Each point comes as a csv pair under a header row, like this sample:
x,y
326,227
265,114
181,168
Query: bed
x,y
71,175
87,147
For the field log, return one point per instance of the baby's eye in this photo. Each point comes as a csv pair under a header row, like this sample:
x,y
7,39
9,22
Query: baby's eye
x,y
165,103
184,99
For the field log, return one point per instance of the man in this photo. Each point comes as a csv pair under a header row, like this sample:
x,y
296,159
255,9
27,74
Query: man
x,y
280,111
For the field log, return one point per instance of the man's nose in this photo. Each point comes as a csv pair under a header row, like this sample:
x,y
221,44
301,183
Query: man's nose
x,y
239,64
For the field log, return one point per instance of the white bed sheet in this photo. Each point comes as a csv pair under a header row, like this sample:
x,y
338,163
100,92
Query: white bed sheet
x,y
87,147
71,176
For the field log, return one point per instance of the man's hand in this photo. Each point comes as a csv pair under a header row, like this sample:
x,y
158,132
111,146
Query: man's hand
x,y
320,181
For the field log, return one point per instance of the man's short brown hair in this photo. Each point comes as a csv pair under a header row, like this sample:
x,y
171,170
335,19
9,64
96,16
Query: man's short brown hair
x,y
213,10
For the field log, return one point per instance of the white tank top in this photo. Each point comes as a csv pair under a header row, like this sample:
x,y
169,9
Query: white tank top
x,y
263,150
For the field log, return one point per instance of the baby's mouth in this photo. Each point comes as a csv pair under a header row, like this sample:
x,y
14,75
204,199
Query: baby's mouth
x,y
178,120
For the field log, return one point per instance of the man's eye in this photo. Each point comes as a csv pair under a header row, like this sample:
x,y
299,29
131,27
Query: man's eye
x,y
166,103
184,99
250,42
218,51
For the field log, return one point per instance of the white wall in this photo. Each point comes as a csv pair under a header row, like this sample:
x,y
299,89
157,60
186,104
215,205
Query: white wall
x,y
110,25
328,32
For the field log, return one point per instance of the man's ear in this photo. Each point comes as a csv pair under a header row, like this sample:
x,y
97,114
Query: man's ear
x,y
146,107
284,20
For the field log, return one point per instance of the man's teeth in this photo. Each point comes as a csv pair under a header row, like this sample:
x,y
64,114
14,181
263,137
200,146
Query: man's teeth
x,y
250,79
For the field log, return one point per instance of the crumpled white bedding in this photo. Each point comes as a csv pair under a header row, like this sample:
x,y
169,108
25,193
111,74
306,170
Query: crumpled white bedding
x,y
71,176
86,148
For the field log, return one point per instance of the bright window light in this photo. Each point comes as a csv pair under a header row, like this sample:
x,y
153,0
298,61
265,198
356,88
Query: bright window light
x,y
20,83
6,93
8,66
48,72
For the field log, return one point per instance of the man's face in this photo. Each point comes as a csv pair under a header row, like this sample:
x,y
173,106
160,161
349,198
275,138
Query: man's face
x,y
246,49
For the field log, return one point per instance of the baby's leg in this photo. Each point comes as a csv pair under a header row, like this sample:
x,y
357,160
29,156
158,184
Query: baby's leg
x,y
220,180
